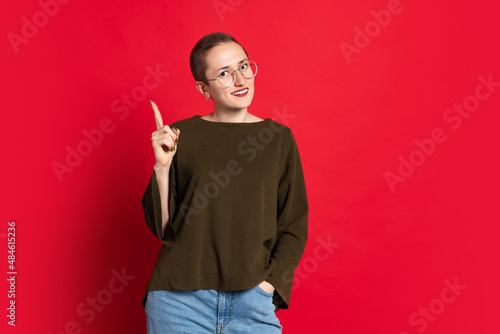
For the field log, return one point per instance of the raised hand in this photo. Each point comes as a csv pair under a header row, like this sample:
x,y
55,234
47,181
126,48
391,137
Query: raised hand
x,y
164,140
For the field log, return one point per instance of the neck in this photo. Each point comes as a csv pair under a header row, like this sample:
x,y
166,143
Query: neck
x,y
229,116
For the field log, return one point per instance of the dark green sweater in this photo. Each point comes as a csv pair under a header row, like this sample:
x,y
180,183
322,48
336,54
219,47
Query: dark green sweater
x,y
238,209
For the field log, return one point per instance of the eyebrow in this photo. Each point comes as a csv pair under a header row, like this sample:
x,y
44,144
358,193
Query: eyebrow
x,y
227,66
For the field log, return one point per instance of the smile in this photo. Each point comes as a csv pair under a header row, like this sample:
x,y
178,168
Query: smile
x,y
241,92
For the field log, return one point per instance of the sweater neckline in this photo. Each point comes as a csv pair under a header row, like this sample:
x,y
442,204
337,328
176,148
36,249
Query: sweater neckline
x,y
198,118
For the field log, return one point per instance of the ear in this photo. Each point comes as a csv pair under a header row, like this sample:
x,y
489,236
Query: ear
x,y
202,87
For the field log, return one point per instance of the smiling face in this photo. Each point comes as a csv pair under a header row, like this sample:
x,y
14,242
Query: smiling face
x,y
227,56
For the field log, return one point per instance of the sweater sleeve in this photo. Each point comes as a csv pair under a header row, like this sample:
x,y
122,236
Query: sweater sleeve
x,y
292,216
151,205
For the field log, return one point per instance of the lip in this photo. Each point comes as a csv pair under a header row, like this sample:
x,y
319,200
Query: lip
x,y
241,90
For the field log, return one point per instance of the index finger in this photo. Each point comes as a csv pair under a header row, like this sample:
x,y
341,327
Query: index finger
x,y
158,119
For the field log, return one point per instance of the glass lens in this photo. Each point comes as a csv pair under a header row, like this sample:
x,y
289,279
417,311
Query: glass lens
x,y
226,78
248,69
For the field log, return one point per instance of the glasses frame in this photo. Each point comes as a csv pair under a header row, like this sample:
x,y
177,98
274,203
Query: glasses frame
x,y
233,73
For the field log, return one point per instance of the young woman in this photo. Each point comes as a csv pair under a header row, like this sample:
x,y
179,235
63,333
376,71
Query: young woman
x,y
228,200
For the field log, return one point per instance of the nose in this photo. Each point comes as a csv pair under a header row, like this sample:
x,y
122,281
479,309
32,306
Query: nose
x,y
239,80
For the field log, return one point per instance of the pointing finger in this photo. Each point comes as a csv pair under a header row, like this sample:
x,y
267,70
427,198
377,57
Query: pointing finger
x,y
158,119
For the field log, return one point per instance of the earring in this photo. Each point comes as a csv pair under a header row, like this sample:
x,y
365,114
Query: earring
x,y
207,98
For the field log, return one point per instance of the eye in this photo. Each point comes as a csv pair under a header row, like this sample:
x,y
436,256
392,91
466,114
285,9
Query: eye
x,y
223,74
244,66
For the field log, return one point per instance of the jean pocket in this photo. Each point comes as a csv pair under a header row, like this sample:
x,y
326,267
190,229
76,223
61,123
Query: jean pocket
x,y
262,292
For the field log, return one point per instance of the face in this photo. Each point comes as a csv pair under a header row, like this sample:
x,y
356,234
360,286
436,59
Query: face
x,y
227,56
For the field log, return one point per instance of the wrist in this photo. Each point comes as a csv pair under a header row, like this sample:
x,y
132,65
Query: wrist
x,y
160,169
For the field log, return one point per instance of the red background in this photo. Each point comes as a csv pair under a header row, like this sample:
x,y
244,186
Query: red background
x,y
393,248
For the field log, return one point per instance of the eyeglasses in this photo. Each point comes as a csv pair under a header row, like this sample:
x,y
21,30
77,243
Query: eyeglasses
x,y
226,78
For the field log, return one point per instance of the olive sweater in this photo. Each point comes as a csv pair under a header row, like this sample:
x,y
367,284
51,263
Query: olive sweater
x,y
238,209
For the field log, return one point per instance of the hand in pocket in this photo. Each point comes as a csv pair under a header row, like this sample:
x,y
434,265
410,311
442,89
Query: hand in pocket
x,y
266,286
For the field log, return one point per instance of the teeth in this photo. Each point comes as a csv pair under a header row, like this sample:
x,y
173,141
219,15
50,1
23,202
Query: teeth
x,y
240,92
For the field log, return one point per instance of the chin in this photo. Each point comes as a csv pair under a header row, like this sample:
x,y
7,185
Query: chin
x,y
244,105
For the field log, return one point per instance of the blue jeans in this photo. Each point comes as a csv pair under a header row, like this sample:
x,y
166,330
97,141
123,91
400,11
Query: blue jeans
x,y
211,312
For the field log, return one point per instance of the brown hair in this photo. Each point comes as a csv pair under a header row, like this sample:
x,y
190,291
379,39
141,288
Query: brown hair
x,y
201,48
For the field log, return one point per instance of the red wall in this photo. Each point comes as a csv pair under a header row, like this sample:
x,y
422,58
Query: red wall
x,y
394,117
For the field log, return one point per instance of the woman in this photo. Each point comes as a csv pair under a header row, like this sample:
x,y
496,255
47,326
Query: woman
x,y
228,201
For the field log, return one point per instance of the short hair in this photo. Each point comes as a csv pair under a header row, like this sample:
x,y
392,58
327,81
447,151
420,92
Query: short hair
x,y
200,50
